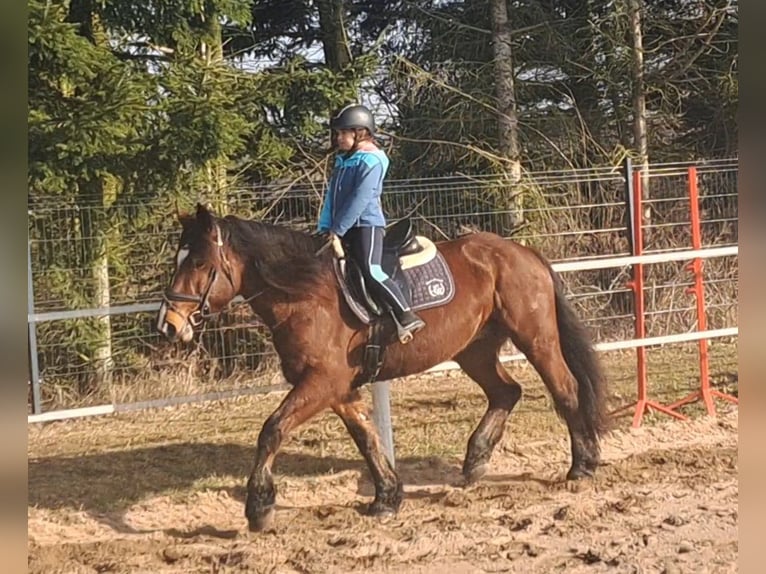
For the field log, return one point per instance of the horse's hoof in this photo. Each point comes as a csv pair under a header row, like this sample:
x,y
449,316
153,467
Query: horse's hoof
x,y
380,510
263,522
579,473
475,474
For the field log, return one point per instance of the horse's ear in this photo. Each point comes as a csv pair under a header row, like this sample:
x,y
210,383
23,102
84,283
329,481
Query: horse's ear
x,y
186,220
204,217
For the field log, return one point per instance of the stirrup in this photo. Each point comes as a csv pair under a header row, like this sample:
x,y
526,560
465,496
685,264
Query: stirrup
x,y
405,335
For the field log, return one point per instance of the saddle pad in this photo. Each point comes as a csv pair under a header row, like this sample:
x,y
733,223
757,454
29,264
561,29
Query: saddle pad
x,y
431,284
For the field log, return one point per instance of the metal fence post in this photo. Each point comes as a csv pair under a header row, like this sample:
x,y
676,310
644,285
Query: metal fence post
x,y
381,416
628,173
34,367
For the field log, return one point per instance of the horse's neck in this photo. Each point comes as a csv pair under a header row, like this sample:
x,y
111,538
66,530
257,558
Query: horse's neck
x,y
269,305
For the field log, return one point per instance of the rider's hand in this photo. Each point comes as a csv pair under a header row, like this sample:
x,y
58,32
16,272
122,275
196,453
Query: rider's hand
x,y
337,246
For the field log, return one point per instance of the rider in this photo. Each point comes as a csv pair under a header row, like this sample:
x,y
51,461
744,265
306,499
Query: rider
x,y
352,208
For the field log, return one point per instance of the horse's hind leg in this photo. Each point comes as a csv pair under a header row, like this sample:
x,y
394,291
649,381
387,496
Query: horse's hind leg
x,y
388,488
561,383
480,362
543,325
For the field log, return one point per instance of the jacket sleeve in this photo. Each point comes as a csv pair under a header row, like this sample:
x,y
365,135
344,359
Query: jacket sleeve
x,y
325,216
369,181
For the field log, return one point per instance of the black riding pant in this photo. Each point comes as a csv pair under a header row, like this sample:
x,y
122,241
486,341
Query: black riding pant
x,y
365,245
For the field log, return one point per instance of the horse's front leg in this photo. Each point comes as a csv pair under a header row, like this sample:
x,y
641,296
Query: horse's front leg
x,y
388,488
301,403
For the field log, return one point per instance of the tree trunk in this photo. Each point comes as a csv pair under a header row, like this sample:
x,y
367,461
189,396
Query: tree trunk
x,y
337,54
507,120
639,104
102,355
97,197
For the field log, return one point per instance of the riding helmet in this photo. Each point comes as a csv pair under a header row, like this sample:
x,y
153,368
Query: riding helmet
x,y
354,116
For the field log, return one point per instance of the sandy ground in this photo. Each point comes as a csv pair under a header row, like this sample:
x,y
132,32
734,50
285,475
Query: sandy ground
x,y
144,493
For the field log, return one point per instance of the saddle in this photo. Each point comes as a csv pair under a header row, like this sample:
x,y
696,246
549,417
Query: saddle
x,y
414,263
402,250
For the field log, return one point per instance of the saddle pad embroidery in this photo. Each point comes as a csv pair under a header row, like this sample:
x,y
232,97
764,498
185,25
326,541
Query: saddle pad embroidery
x,y
431,284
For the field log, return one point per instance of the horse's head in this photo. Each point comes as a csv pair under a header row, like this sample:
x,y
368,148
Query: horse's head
x,y
203,282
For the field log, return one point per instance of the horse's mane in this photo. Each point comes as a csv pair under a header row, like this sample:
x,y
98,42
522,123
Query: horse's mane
x,y
286,259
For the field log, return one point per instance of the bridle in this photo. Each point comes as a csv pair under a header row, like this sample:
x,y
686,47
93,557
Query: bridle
x,y
202,312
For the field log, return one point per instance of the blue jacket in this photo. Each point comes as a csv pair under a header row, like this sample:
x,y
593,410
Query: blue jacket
x,y
353,193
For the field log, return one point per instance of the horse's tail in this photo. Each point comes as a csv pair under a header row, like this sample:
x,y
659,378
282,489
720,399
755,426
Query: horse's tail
x,y
582,360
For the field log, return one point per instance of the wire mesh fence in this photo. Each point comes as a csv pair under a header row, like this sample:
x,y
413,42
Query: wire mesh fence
x,y
86,257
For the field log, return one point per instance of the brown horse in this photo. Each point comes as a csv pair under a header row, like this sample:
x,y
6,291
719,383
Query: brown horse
x,y
502,290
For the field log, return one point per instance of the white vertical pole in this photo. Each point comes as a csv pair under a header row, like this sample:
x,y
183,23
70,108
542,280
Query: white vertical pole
x,y
381,416
34,366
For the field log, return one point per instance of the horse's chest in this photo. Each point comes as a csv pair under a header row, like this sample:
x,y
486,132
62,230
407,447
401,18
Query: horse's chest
x,y
297,356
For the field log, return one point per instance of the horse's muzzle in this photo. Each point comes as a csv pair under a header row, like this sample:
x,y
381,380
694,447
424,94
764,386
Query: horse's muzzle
x,y
173,325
